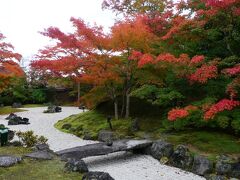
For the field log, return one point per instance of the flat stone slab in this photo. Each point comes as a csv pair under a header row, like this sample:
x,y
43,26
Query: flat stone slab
x,y
7,161
103,149
40,155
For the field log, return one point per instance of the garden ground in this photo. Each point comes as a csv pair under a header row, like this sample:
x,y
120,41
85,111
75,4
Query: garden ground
x,y
119,165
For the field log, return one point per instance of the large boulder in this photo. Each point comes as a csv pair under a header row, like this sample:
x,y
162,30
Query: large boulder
x,y
53,109
135,125
181,157
202,165
14,121
11,116
7,161
17,105
76,166
224,165
160,149
216,177
58,109
235,170
106,136
18,120
23,121
97,176
42,147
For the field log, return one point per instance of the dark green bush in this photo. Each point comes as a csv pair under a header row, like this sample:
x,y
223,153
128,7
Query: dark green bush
x,y
38,95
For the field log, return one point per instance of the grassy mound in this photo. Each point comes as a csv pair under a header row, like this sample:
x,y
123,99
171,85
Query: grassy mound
x,y
33,169
33,105
208,142
8,109
202,142
92,122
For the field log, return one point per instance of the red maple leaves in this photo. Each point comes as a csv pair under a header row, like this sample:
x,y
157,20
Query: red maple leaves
x,y
232,71
224,104
145,59
204,73
178,113
175,114
9,66
220,3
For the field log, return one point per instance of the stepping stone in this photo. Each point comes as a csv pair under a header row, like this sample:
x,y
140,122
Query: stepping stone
x,y
103,149
40,155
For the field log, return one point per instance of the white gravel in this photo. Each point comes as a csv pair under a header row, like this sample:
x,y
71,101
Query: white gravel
x,y
43,124
121,165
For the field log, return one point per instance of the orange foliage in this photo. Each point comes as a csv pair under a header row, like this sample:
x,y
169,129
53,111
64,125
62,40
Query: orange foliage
x,y
132,34
9,66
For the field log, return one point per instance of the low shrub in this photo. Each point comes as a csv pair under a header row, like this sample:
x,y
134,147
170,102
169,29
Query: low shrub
x,y
29,139
229,121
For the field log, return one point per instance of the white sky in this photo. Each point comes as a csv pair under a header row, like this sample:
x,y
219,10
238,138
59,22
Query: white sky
x,y
21,20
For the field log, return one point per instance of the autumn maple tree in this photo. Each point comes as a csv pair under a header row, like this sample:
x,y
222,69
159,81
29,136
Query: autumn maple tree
x,y
180,56
131,37
64,59
9,66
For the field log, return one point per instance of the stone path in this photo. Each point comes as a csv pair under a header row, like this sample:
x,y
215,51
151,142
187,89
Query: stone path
x,y
120,165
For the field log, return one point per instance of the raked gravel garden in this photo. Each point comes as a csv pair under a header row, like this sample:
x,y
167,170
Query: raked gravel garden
x,y
120,165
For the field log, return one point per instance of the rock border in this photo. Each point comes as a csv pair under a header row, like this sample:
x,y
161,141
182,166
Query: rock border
x,y
180,156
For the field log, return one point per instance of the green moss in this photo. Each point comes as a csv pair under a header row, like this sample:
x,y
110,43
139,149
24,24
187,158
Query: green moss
x,y
33,169
208,142
8,110
33,105
92,122
10,150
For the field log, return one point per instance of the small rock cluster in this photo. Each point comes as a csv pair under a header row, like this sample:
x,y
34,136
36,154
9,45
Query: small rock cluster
x,y
78,165
13,119
74,165
17,105
181,157
42,152
53,109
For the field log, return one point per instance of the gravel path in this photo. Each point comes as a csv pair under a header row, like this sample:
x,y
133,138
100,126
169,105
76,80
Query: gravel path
x,y
121,165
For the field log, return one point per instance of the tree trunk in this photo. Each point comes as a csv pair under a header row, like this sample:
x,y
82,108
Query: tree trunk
x,y
123,104
78,91
116,109
127,105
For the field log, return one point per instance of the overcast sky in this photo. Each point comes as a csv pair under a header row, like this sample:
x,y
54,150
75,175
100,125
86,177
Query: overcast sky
x,y
21,20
